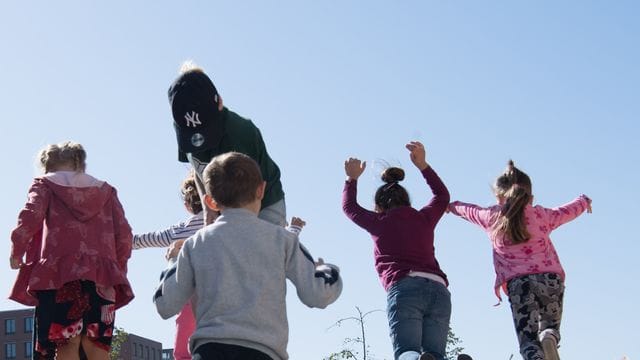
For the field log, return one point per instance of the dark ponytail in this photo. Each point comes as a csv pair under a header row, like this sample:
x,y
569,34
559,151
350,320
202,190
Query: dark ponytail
x,y
391,194
514,188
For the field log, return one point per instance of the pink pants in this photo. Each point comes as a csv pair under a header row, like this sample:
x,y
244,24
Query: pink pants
x,y
185,326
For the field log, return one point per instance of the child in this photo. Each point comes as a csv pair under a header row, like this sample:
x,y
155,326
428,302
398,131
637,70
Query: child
x,y
418,302
205,128
173,237
235,269
180,231
77,242
526,263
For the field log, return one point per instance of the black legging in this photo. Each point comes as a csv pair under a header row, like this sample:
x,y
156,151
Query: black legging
x,y
217,351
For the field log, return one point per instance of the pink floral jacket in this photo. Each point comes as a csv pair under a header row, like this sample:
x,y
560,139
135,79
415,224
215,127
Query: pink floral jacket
x,y
72,228
535,256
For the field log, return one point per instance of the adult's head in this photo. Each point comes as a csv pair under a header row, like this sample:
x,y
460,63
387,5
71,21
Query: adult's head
x,y
196,107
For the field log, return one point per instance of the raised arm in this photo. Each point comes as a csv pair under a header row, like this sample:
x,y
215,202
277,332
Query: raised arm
x,y
438,203
30,221
362,217
567,212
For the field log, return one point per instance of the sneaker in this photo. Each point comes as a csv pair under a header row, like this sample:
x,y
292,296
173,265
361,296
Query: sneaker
x,y
426,356
464,357
549,342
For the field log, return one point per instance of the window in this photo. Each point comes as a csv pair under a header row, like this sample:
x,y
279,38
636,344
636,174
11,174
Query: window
x,y
10,326
147,357
10,351
135,350
167,354
28,324
28,349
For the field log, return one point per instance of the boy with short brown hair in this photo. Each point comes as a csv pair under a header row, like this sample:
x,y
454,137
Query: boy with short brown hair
x,y
237,269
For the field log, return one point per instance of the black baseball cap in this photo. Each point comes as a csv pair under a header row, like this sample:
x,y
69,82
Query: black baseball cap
x,y
197,121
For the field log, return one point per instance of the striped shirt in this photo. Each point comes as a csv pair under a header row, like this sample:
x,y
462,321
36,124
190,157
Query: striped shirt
x,y
163,238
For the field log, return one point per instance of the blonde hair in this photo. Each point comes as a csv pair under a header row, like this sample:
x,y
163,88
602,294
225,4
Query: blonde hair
x,y
189,66
67,153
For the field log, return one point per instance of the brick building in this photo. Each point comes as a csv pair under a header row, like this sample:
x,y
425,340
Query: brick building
x,y
16,334
16,338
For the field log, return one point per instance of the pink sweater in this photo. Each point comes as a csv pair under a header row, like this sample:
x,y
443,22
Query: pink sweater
x,y
71,228
535,256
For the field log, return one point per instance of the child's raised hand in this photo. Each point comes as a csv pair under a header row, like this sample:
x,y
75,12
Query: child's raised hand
x,y
589,210
353,167
296,221
417,154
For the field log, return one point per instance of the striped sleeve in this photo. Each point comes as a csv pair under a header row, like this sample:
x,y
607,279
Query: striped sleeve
x,y
164,238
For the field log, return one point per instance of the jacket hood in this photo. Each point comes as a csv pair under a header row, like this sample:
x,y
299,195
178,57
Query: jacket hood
x,y
84,195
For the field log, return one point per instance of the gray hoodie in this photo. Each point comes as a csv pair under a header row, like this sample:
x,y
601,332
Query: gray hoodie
x,y
234,271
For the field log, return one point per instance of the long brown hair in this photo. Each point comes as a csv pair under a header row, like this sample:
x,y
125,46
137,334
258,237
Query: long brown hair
x,y
514,188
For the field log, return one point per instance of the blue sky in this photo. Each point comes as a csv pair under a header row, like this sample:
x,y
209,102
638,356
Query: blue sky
x,y
553,85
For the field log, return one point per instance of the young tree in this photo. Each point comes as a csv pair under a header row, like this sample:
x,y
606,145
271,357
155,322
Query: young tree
x,y
348,352
119,338
454,343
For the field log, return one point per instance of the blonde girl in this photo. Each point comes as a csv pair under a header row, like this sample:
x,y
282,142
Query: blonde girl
x,y
71,245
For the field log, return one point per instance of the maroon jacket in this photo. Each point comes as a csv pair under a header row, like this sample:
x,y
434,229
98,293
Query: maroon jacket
x,y
403,236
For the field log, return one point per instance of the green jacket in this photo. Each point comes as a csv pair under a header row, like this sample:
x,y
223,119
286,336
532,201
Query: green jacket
x,y
243,136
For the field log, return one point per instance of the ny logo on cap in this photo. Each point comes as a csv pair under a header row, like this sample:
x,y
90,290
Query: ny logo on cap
x,y
192,119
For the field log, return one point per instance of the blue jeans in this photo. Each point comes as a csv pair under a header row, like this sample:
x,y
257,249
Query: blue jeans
x,y
419,310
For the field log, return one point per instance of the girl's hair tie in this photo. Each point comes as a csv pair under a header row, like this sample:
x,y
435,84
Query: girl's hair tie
x,y
390,185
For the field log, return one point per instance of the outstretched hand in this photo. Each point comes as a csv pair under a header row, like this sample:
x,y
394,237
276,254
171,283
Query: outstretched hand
x,y
417,154
353,167
589,209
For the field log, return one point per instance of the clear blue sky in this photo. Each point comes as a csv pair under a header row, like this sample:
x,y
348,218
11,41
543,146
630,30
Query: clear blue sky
x,y
553,85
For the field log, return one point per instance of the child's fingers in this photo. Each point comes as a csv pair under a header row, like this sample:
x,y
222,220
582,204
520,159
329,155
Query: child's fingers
x,y
298,221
